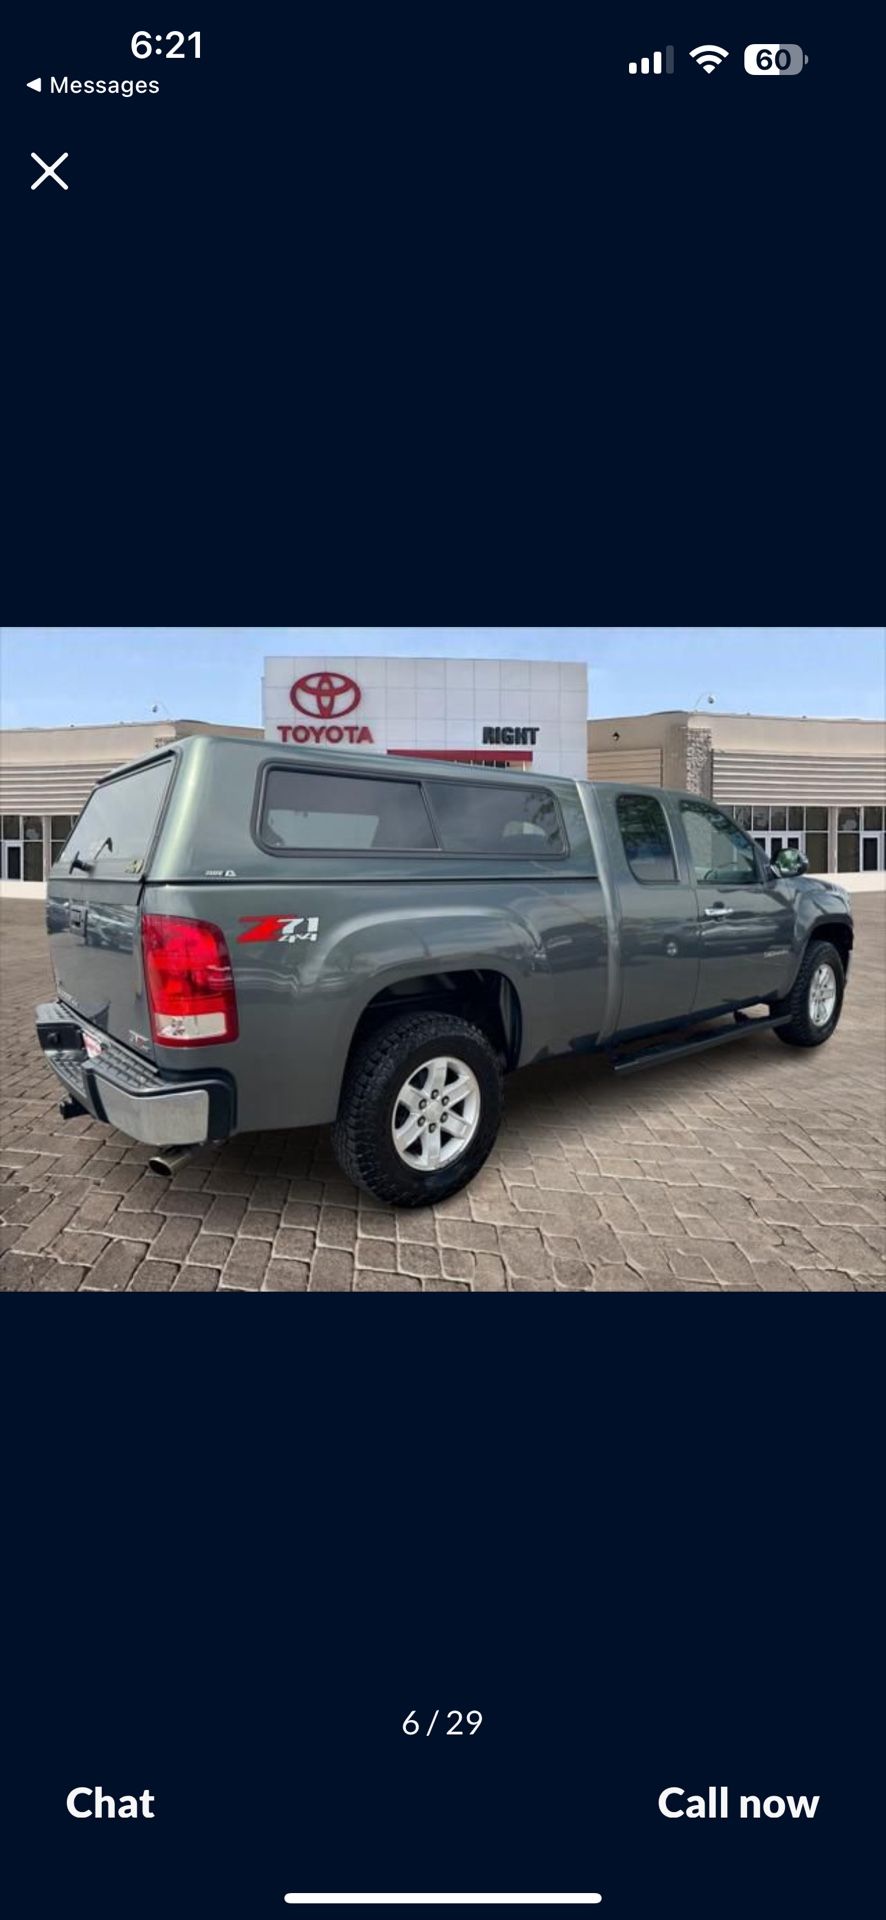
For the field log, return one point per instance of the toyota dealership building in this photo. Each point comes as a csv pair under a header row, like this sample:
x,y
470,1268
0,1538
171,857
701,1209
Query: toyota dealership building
x,y
819,785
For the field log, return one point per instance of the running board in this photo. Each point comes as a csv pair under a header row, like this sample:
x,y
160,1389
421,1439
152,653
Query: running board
x,y
652,1056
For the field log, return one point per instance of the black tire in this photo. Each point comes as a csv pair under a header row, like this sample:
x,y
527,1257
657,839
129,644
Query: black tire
x,y
801,1030
362,1136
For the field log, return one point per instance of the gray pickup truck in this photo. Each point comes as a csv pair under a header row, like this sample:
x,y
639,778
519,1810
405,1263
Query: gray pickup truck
x,y
247,936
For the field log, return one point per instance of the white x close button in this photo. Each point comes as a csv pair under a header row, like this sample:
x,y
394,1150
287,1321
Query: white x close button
x,y
49,172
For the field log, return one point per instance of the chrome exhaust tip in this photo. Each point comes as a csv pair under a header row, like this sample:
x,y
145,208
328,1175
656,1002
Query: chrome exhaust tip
x,y
170,1160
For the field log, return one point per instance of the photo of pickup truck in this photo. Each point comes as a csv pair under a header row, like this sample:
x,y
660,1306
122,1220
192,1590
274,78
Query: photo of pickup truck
x,y
248,936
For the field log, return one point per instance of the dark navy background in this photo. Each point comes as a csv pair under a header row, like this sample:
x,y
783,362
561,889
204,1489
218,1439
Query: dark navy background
x,y
640,1534
425,313
422,313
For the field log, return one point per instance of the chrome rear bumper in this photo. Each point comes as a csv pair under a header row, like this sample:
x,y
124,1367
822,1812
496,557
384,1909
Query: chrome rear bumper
x,y
126,1092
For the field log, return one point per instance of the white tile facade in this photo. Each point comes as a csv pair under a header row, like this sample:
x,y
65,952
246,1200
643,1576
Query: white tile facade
x,y
385,704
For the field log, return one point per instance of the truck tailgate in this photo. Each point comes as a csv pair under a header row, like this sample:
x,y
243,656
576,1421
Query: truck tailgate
x,y
94,947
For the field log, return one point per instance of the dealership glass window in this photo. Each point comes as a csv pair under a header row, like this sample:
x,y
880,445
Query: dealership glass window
x,y
848,839
720,853
495,819
817,851
12,826
645,836
33,838
343,813
817,847
60,828
806,827
873,819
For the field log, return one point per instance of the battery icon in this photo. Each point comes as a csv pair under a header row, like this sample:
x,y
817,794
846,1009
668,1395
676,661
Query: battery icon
x,y
773,58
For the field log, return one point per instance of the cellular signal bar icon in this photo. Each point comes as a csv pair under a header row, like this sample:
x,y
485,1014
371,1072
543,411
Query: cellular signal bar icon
x,y
653,63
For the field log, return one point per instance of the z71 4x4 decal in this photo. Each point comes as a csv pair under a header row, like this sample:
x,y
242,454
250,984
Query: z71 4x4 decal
x,y
277,926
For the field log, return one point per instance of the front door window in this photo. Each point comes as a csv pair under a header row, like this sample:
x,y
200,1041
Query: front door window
x,y
721,854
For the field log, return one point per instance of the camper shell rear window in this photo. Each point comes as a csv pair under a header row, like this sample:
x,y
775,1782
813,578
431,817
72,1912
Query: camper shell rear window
x,y
113,835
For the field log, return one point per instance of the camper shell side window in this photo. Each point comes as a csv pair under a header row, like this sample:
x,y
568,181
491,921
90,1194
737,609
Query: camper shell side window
x,y
301,810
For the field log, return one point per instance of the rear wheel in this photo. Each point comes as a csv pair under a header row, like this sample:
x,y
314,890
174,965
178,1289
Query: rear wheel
x,y
815,1000
420,1109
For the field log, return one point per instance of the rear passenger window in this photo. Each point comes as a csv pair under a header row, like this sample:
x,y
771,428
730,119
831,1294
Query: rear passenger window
x,y
115,829
494,820
645,836
343,813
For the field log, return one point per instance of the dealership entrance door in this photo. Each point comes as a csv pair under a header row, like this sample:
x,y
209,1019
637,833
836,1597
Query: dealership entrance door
x,y
12,860
872,852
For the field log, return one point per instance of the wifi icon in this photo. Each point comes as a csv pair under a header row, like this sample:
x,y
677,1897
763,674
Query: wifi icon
x,y
708,57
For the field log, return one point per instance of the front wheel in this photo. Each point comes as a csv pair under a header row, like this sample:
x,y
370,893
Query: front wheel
x,y
815,1000
420,1109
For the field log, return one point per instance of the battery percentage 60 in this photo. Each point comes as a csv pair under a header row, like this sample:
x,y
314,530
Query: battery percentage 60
x,y
774,59
473,1722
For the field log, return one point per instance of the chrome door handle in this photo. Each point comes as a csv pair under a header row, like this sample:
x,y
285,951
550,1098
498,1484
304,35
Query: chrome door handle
x,y
717,913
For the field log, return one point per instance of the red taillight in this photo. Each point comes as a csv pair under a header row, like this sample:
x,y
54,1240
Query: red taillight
x,y
189,982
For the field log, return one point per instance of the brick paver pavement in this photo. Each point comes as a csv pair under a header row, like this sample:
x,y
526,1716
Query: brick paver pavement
x,y
755,1167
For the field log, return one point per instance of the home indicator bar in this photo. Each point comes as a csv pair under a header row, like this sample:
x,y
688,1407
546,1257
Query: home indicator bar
x,y
443,1899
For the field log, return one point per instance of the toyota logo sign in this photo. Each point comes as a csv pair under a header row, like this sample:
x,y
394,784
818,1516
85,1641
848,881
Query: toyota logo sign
x,y
324,695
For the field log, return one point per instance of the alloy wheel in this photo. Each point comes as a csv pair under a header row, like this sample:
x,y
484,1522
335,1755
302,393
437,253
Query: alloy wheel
x,y
436,1113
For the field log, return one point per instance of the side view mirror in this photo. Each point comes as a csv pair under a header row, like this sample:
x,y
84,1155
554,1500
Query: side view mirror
x,y
790,863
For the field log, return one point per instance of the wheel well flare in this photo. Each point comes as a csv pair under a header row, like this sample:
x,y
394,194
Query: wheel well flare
x,y
840,936
483,996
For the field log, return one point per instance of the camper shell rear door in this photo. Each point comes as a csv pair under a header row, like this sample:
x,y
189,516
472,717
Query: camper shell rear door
x,y
94,897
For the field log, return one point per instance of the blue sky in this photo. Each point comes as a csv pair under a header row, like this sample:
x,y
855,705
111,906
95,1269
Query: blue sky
x,y
55,676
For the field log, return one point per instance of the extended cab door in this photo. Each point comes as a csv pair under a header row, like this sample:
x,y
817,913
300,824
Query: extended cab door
x,y
658,914
746,913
